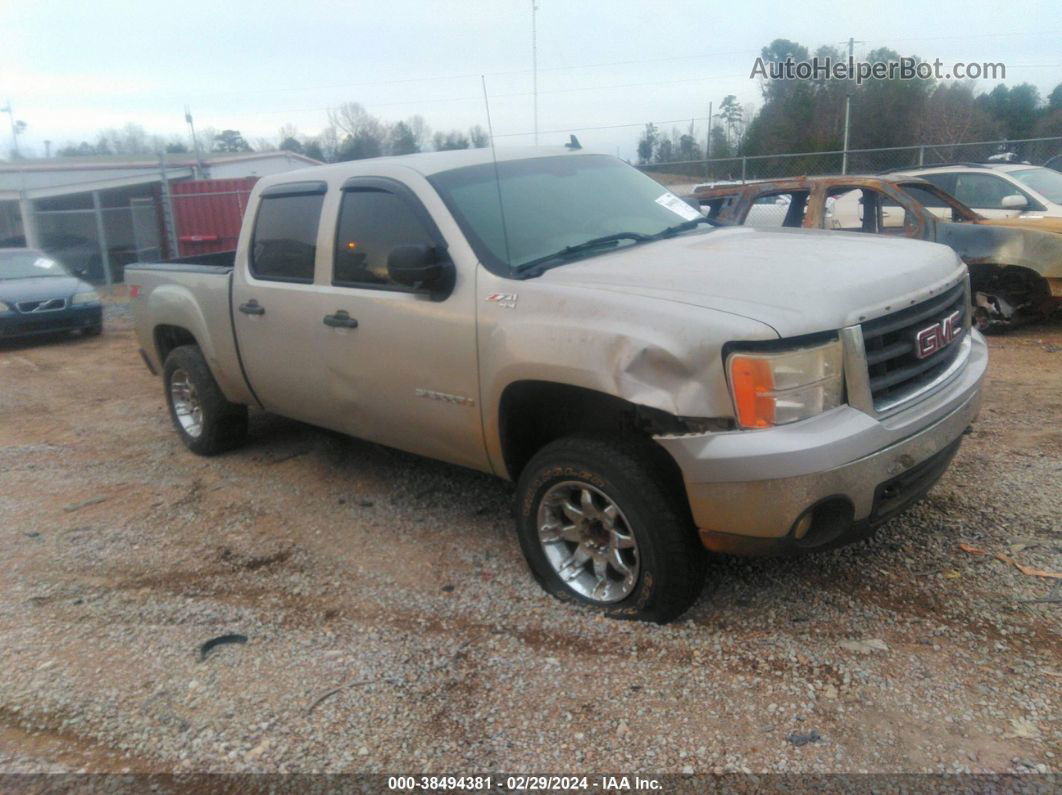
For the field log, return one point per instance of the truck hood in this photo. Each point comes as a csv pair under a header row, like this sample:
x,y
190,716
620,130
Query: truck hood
x,y
798,281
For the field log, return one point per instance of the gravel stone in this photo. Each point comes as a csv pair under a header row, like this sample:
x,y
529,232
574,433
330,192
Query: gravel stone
x,y
407,636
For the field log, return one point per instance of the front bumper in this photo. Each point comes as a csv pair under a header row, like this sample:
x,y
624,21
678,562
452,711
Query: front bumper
x,y
748,489
17,324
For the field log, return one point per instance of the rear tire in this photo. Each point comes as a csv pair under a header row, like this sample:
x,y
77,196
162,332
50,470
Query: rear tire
x,y
207,423
600,525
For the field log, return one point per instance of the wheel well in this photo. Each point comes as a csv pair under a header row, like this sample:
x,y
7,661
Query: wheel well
x,y
988,276
534,413
169,337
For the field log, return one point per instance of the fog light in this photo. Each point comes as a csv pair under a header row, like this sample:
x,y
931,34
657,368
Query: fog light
x,y
800,529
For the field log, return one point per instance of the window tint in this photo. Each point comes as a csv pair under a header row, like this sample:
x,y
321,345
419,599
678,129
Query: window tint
x,y
943,181
285,237
371,224
935,203
926,198
983,191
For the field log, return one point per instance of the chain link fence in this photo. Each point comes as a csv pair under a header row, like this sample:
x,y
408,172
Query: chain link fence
x,y
685,175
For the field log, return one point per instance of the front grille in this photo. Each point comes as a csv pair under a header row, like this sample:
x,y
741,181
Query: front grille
x,y
44,305
893,364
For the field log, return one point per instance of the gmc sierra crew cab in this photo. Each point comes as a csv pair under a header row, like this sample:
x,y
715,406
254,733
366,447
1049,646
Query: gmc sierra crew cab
x,y
654,384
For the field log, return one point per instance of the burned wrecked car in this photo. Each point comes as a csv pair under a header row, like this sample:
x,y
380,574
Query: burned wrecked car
x,y
1016,272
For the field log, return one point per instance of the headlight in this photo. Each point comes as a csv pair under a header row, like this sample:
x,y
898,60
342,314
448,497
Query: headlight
x,y
778,388
85,298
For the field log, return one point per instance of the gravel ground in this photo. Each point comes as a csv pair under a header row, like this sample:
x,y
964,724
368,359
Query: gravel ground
x,y
391,625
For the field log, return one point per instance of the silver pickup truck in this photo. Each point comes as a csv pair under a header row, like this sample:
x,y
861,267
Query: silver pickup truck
x,y
652,384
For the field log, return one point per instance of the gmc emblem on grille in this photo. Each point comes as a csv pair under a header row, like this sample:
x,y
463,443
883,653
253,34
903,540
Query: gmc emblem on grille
x,y
932,339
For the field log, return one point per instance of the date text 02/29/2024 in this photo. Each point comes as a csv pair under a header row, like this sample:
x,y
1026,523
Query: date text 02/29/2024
x,y
522,783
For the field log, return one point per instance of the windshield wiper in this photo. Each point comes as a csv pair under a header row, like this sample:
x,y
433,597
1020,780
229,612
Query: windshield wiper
x,y
685,225
536,266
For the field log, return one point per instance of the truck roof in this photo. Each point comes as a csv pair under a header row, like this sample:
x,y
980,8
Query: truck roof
x,y
426,163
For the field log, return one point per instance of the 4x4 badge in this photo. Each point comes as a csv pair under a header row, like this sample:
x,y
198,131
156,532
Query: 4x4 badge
x,y
508,300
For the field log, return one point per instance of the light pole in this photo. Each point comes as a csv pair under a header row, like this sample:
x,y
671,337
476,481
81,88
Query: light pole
x,y
195,143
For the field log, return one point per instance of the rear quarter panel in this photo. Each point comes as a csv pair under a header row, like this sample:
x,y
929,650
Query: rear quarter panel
x,y
197,300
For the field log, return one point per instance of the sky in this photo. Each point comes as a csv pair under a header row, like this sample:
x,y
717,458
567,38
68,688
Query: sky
x,y
72,68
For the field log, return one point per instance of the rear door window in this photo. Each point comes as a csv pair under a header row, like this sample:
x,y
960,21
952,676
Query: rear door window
x,y
284,245
943,181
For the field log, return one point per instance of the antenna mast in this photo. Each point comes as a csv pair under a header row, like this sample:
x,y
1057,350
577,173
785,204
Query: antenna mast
x,y
497,177
534,64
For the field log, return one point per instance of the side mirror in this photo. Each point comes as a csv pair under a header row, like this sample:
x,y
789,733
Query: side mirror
x,y
1014,202
421,267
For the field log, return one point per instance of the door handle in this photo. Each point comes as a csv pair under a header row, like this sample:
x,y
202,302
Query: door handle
x,y
340,320
252,307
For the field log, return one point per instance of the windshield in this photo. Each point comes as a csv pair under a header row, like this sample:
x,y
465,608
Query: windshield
x,y
28,265
551,203
1044,181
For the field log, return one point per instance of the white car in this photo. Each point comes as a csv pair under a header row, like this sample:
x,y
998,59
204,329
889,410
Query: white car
x,y
1006,190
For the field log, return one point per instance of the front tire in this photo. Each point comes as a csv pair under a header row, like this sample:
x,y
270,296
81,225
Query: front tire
x,y
601,525
207,423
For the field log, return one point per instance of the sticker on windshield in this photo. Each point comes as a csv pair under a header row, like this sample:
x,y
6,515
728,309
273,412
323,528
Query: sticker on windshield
x,y
44,262
677,206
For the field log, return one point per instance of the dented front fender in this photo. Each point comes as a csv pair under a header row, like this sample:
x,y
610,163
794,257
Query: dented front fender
x,y
654,353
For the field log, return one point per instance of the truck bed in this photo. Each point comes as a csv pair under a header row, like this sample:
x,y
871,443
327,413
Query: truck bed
x,y
221,258
193,294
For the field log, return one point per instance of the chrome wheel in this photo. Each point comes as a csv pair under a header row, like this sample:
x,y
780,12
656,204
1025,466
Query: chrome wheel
x,y
588,542
186,403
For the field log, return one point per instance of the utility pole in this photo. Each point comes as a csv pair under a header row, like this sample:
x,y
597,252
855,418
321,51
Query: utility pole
x,y
195,143
16,128
534,63
708,143
170,229
847,108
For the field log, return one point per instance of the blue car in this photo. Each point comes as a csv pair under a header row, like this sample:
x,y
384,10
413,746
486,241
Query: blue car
x,y
39,296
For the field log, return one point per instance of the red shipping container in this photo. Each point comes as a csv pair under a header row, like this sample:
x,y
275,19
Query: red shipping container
x,y
208,213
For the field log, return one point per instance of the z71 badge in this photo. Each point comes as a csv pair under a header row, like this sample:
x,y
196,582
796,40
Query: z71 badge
x,y
507,300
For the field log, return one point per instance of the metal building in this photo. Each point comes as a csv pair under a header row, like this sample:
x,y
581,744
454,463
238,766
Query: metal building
x,y
99,214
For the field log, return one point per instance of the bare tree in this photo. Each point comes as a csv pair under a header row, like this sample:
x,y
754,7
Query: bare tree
x,y
328,141
352,119
421,131
952,116
478,137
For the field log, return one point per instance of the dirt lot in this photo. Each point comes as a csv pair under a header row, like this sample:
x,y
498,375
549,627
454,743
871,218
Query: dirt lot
x,y
391,624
